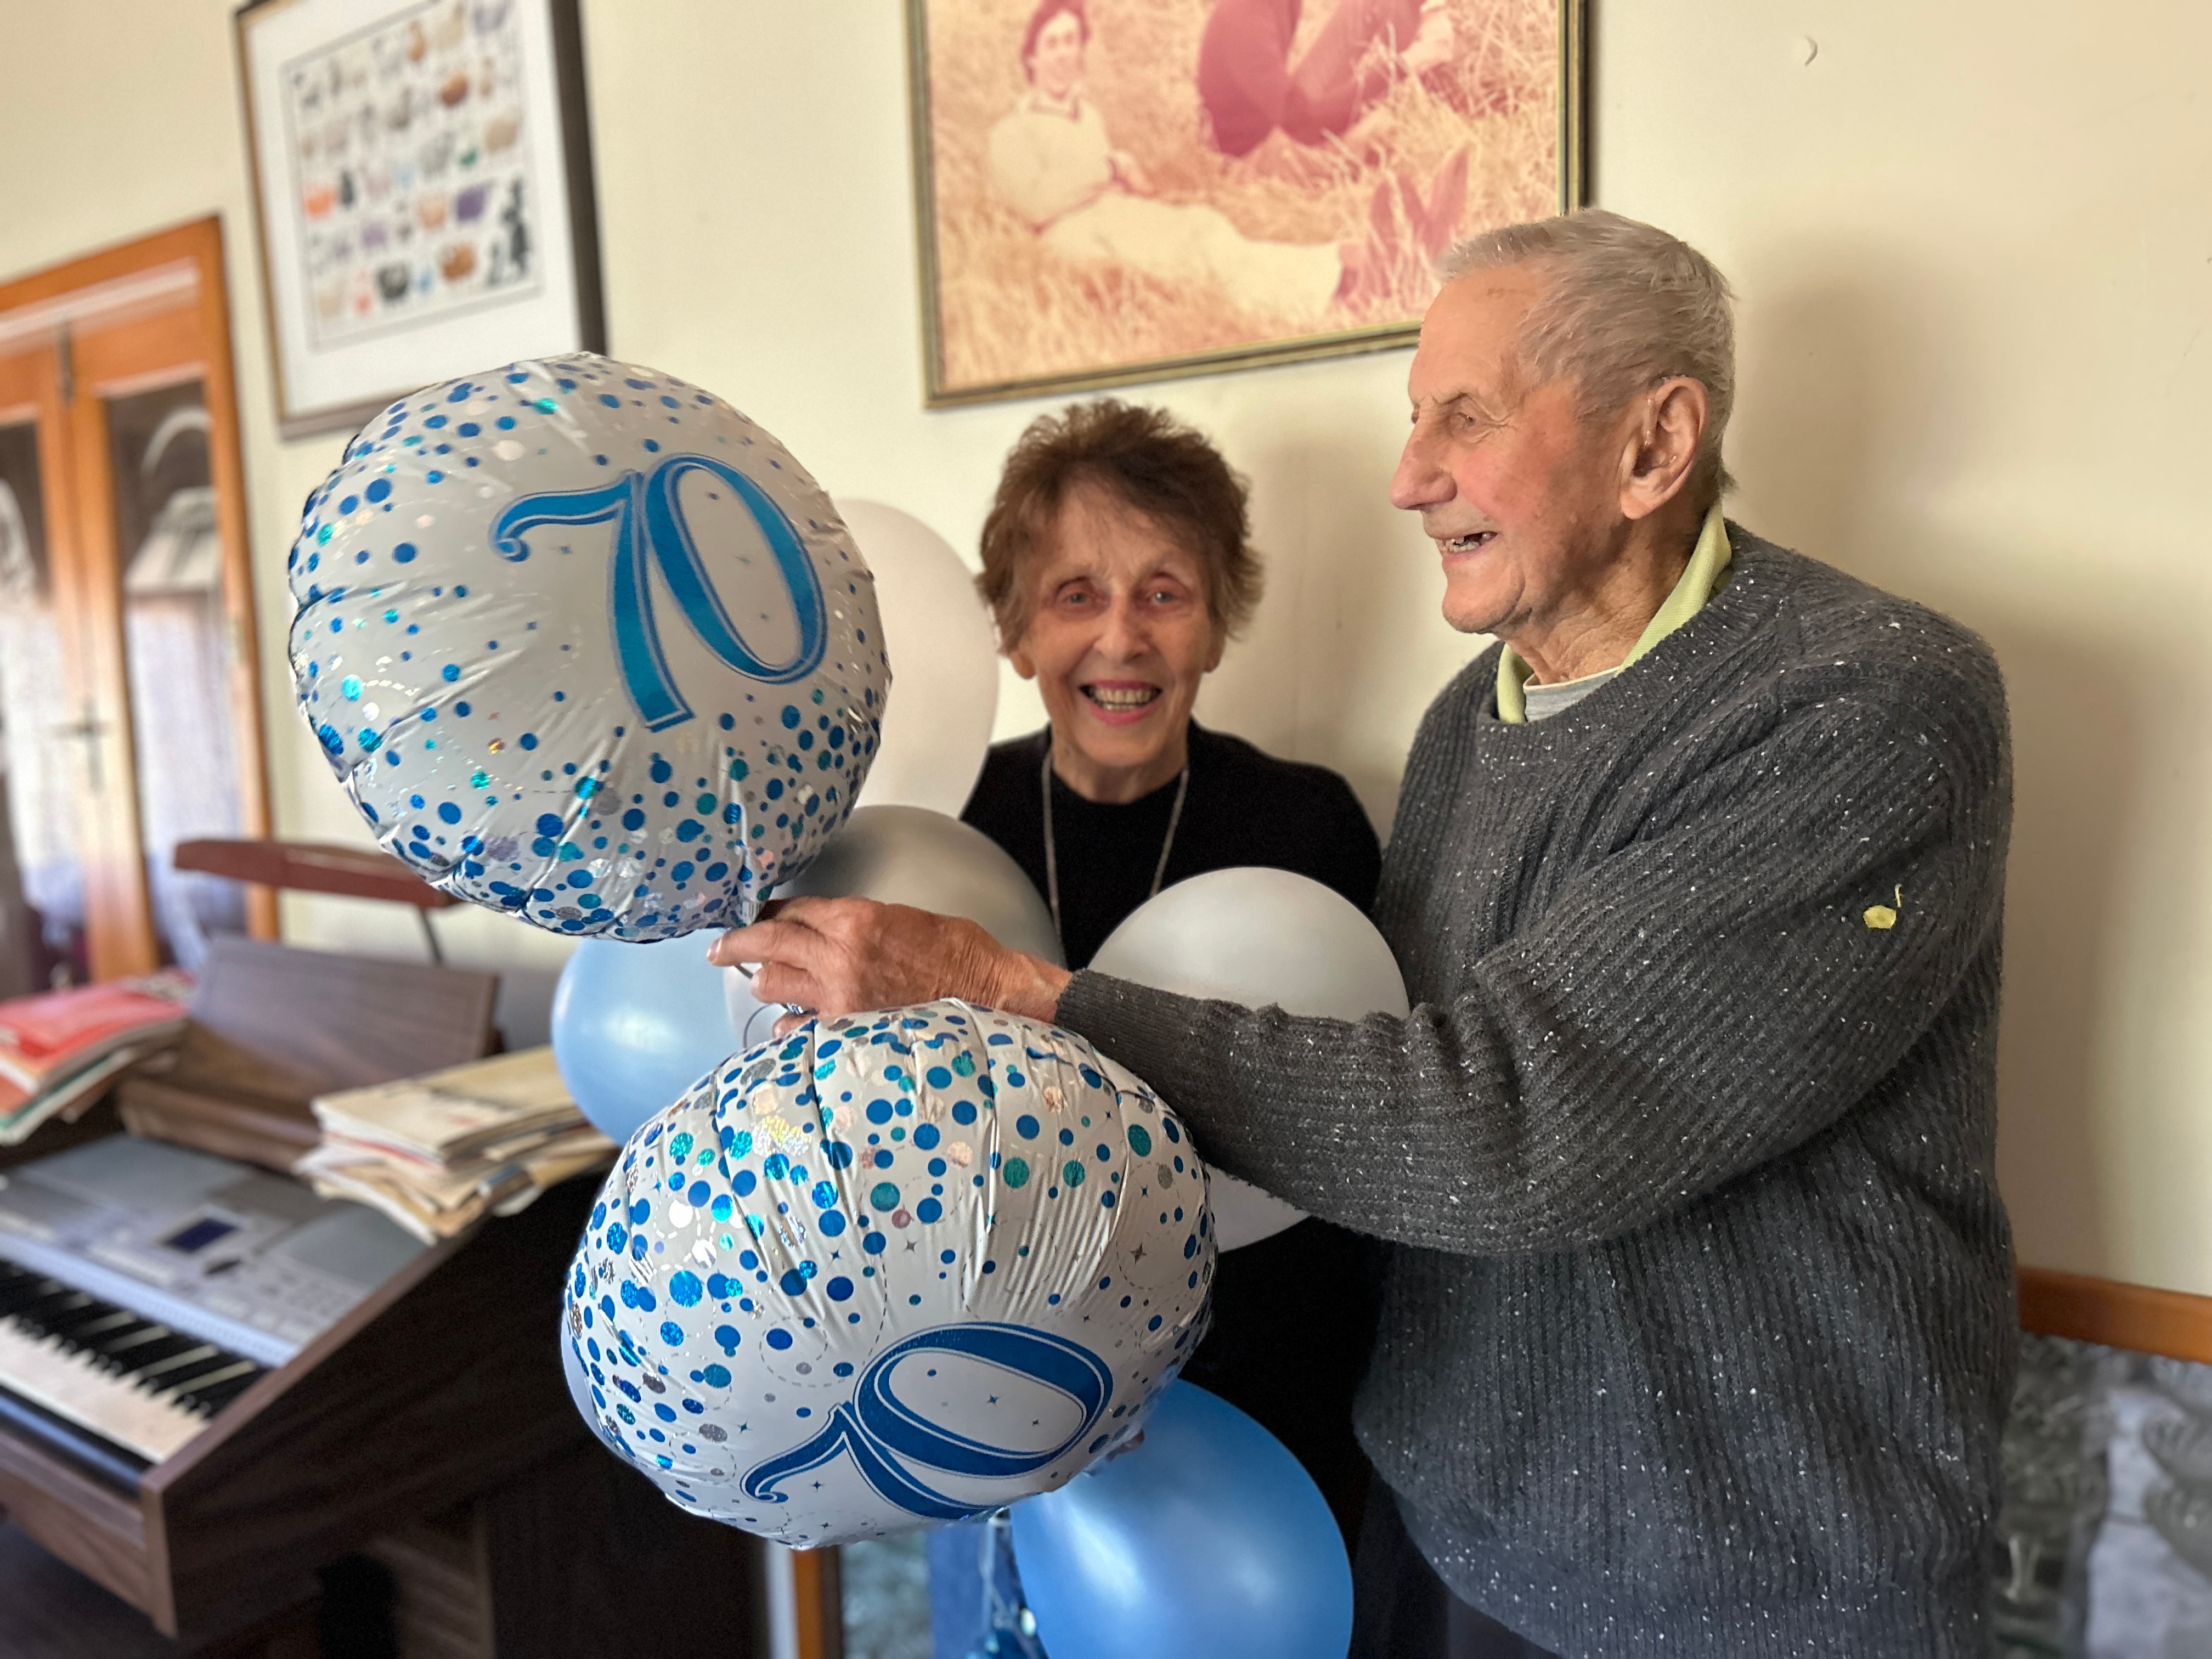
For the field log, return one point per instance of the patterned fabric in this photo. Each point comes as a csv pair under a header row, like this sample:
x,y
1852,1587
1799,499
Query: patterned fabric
x,y
1698,1330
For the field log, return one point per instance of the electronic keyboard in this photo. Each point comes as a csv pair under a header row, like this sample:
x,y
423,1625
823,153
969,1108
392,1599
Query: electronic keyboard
x,y
144,1287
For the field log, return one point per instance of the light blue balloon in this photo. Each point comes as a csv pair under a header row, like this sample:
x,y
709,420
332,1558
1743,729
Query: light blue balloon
x,y
1207,1540
635,1025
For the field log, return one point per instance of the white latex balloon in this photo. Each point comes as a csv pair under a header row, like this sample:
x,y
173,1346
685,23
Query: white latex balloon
x,y
911,855
586,645
1261,938
904,1267
944,652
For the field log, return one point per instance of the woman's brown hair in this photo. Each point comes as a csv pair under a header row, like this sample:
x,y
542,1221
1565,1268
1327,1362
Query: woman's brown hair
x,y
1150,462
1045,12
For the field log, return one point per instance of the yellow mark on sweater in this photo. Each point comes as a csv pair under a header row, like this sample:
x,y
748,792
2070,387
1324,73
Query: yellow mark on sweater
x,y
1883,917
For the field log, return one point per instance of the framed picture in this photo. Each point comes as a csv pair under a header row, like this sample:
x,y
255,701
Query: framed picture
x,y
422,181
1109,191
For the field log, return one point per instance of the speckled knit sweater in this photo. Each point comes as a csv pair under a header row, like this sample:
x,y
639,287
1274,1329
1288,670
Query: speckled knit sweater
x,y
1699,1329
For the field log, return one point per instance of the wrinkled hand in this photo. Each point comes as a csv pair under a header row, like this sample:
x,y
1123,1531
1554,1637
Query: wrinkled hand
x,y
837,957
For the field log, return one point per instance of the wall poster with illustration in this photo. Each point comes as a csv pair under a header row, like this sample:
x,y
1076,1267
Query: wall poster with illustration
x,y
423,173
1109,191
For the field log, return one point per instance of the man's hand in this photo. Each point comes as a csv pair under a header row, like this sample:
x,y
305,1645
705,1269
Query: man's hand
x,y
842,956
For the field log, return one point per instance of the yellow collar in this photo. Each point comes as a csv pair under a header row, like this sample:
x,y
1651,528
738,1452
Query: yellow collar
x,y
1700,579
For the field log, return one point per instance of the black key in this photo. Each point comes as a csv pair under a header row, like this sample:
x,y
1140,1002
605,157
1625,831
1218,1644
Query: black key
x,y
156,1358
51,1314
183,1364
88,1322
226,1381
28,1292
148,1360
114,1345
175,1383
215,1399
114,1320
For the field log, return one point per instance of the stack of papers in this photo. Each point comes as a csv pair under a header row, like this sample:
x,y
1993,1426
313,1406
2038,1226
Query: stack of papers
x,y
438,1153
60,1050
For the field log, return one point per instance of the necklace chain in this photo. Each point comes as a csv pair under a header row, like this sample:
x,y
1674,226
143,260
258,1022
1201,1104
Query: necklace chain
x,y
1051,853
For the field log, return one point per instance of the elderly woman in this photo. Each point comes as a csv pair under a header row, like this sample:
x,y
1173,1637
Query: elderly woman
x,y
1116,560
1116,565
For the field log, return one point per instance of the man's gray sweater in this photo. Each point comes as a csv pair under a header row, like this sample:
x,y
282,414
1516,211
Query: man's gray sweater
x,y
1698,1331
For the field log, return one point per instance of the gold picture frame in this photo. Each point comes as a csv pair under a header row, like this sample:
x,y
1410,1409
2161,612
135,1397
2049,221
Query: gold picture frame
x,y
1245,215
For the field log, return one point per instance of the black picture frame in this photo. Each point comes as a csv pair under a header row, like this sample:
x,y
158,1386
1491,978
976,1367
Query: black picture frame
x,y
328,385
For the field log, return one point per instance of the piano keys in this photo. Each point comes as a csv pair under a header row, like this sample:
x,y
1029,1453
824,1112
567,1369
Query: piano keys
x,y
132,1381
144,1288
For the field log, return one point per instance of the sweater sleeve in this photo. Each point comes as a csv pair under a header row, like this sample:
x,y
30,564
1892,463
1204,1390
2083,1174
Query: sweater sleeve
x,y
1715,989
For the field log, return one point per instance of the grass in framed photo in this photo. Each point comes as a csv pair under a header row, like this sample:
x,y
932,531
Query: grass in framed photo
x,y
421,172
1110,190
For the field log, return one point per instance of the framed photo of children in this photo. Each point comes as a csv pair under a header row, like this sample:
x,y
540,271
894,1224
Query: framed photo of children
x,y
1110,190
423,183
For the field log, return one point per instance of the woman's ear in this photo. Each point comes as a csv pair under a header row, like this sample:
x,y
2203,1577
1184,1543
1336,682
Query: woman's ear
x,y
1018,653
1220,645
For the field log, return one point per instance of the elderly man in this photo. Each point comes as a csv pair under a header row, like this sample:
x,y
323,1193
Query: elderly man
x,y
1699,1327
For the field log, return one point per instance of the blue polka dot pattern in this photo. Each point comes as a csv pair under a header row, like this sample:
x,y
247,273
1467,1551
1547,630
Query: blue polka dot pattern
x,y
620,674
973,1328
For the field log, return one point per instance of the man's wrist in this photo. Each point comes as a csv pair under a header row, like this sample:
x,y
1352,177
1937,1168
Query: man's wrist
x,y
1031,987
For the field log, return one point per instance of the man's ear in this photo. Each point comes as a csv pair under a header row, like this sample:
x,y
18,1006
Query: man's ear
x,y
1662,446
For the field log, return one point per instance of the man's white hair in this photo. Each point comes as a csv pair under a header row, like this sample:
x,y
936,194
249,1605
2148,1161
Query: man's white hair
x,y
1625,306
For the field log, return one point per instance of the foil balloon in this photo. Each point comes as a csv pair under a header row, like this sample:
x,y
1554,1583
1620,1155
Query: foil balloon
x,y
586,645
905,1268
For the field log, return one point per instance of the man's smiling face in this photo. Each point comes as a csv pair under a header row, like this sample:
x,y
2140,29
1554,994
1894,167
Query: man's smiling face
x,y
1520,495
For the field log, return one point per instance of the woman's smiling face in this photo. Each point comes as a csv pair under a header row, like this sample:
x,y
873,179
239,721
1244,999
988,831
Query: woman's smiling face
x,y
1119,635
1055,63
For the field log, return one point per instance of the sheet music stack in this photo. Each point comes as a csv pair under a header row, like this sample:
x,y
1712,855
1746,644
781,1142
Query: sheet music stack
x,y
60,1050
437,1153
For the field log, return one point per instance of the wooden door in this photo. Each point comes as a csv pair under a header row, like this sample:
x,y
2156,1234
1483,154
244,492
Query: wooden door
x,y
116,398
43,873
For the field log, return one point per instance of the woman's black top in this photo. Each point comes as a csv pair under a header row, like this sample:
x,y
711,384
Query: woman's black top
x,y
1245,807
1294,1315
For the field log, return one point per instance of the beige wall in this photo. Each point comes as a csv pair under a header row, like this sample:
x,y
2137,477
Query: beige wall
x,y
1975,267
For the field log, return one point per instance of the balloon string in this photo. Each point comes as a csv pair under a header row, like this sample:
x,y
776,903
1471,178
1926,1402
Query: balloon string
x,y
747,969
1051,853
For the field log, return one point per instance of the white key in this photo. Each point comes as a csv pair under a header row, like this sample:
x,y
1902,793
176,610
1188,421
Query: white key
x,y
69,1384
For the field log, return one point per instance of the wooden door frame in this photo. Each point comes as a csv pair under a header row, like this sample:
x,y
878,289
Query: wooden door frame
x,y
124,270
819,1598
